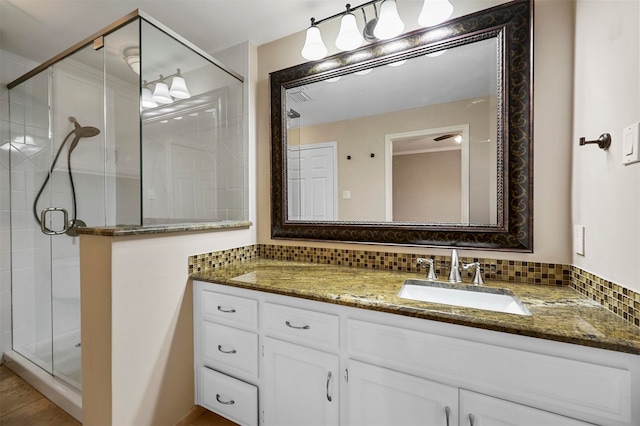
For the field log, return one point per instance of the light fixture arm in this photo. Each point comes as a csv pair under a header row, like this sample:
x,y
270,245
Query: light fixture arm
x,y
162,78
349,9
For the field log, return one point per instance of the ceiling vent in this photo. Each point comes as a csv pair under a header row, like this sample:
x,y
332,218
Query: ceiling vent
x,y
297,95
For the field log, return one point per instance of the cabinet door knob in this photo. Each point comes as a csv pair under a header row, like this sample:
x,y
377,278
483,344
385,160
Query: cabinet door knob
x,y
304,327
232,351
226,311
447,412
229,402
328,380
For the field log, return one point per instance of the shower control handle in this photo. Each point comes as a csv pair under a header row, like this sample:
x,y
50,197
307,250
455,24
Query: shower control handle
x,y
43,215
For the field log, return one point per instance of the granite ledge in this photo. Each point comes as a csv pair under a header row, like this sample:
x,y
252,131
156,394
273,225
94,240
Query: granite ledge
x,y
127,230
558,313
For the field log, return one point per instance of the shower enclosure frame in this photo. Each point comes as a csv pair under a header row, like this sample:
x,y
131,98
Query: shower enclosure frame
x,y
51,386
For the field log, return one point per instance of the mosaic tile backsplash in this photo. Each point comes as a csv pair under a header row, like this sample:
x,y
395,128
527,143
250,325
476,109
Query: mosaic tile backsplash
x,y
621,301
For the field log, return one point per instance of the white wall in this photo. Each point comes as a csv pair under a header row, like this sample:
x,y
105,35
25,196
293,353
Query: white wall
x,y
605,193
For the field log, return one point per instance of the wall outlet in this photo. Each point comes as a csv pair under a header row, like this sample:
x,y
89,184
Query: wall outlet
x,y
578,239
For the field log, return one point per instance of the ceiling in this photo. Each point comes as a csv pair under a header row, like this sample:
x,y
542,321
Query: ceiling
x,y
40,29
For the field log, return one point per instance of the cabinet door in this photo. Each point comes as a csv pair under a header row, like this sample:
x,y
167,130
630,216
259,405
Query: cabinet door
x,y
301,385
482,410
378,396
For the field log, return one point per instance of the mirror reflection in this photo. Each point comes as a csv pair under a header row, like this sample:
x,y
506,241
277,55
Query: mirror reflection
x,y
412,141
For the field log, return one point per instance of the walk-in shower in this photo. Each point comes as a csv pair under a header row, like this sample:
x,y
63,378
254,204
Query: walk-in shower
x,y
139,158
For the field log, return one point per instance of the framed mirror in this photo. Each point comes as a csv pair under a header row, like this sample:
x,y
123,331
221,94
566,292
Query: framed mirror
x,y
425,139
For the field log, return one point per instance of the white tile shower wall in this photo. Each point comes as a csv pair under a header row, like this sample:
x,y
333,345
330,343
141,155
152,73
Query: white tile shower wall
x,y
12,66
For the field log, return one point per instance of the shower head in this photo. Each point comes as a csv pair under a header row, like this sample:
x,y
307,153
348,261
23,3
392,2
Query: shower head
x,y
81,132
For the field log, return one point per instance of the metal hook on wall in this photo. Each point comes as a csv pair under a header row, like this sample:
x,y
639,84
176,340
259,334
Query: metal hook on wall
x,y
604,141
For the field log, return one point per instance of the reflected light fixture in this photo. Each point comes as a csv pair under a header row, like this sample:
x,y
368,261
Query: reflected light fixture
x,y
384,26
147,99
349,37
179,87
162,94
132,58
434,12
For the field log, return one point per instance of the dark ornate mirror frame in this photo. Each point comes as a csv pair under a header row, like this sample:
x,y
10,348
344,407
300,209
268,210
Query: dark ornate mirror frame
x,y
511,23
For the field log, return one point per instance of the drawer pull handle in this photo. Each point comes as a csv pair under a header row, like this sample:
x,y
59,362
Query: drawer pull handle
x,y
471,420
226,311
230,402
328,380
447,412
304,327
232,351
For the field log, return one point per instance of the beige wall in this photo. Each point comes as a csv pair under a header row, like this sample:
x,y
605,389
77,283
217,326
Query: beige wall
x,y
137,325
553,51
426,187
606,194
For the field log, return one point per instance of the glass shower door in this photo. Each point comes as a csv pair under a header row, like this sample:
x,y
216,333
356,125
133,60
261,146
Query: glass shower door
x,y
78,186
30,161
58,184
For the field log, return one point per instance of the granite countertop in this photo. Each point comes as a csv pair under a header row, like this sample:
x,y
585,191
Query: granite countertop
x,y
558,313
127,230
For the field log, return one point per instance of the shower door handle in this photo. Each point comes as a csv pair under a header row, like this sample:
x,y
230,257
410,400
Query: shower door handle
x,y
43,216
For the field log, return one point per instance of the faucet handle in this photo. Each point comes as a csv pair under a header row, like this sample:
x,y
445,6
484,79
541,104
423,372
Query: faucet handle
x,y
477,276
431,275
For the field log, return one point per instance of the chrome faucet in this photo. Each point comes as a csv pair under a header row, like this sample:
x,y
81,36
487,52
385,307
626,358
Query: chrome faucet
x,y
431,275
477,276
454,274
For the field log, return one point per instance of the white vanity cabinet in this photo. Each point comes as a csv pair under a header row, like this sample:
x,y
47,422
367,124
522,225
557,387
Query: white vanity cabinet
x,y
382,397
301,385
482,410
301,366
226,354
328,364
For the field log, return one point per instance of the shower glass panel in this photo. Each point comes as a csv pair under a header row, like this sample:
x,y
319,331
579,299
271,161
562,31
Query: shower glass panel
x,y
68,124
86,151
194,153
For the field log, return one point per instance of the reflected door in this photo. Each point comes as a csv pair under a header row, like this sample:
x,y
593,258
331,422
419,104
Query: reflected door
x,y
312,182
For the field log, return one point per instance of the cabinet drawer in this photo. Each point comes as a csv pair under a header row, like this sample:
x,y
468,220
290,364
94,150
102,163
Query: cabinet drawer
x,y
559,384
231,310
302,326
223,346
229,397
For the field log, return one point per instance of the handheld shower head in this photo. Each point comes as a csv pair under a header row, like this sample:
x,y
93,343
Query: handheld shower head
x,y
81,132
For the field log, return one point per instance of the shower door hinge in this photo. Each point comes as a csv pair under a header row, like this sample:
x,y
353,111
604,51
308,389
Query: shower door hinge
x,y
346,374
98,43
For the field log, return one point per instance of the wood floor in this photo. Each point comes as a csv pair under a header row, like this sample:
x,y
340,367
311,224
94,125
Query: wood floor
x,y
22,405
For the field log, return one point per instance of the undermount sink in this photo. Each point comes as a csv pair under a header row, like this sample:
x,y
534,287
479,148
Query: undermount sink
x,y
478,297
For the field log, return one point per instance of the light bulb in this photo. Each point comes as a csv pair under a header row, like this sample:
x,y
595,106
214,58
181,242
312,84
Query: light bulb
x,y
349,37
147,101
314,47
389,24
161,94
179,88
434,12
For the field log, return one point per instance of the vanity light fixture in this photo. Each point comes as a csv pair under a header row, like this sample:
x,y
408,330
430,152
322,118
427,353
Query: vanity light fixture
x,y
385,26
162,94
349,37
434,12
389,24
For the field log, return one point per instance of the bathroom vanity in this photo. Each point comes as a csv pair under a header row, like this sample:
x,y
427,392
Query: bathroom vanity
x,y
300,343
